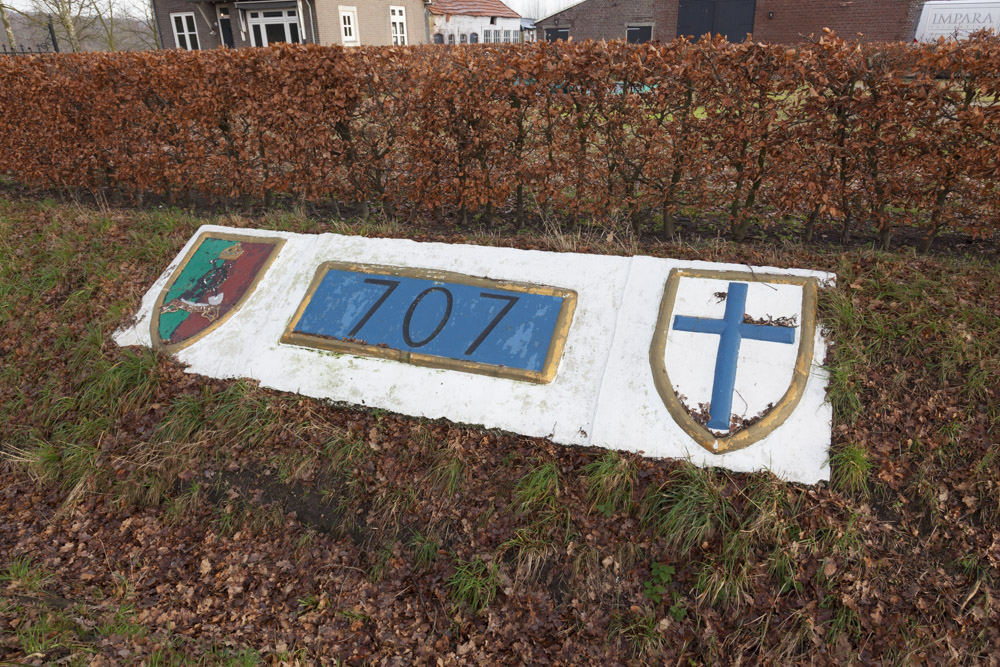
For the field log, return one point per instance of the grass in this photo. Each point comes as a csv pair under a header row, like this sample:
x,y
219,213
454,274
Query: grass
x,y
638,628
172,653
851,469
346,452
424,548
25,574
242,414
610,481
725,579
531,548
448,473
538,489
687,509
118,424
123,623
474,583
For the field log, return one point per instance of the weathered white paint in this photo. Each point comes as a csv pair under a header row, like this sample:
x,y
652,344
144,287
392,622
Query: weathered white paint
x,y
956,19
602,394
631,415
458,25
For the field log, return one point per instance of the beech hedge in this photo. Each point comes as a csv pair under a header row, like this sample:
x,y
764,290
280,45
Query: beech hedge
x,y
872,136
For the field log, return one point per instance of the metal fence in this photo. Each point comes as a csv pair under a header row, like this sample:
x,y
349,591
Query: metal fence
x,y
50,45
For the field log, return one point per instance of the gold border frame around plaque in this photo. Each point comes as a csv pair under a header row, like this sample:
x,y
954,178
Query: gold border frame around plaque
x,y
556,344
154,324
783,408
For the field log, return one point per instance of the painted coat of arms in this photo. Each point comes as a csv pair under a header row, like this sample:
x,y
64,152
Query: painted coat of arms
x,y
210,284
732,352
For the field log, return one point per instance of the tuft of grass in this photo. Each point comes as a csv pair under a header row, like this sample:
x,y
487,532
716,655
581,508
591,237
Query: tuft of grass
x,y
845,621
640,631
184,419
424,549
609,481
448,473
23,572
782,567
389,504
346,452
474,583
242,414
113,388
725,579
380,562
531,548
850,470
688,508
123,623
538,489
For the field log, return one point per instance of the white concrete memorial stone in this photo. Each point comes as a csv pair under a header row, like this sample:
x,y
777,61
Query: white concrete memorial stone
x,y
717,363
956,19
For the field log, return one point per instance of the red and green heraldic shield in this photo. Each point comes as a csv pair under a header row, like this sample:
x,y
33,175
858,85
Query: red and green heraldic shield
x,y
214,279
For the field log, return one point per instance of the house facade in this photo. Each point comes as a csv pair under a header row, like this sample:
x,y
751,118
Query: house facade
x,y
473,22
780,21
208,24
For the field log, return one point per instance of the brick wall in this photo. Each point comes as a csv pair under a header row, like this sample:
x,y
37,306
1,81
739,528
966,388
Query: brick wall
x,y
869,20
606,19
307,22
164,8
794,20
373,21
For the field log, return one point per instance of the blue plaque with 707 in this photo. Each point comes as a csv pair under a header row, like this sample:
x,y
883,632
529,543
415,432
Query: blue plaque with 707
x,y
436,318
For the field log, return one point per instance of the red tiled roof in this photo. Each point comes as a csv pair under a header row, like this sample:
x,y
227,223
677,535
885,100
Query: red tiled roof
x,y
472,8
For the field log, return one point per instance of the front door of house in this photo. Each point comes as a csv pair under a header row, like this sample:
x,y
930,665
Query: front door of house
x,y
226,27
731,18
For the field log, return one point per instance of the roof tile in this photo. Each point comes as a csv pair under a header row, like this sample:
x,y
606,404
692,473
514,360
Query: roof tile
x,y
473,8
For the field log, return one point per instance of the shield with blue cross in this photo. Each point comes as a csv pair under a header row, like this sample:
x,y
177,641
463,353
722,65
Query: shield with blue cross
x,y
732,352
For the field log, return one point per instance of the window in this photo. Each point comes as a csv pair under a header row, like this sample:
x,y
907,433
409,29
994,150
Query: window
x,y
473,38
185,32
463,38
506,37
397,21
637,34
451,38
438,38
349,26
274,26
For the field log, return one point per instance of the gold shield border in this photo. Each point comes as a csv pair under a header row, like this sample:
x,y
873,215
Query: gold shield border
x,y
552,357
785,406
154,325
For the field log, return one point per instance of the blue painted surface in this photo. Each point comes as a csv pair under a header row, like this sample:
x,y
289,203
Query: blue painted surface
x,y
520,339
731,331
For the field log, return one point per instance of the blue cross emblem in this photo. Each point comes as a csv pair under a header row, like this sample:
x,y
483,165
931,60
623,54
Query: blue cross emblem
x,y
731,331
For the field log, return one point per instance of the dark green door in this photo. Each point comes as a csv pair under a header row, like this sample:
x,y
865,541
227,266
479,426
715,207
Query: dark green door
x,y
731,18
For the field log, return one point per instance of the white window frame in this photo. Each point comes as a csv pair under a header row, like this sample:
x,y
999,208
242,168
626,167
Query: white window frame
x,y
352,14
507,37
257,18
397,25
187,33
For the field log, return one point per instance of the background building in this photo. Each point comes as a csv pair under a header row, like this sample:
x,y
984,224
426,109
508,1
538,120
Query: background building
x,y
765,20
473,22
